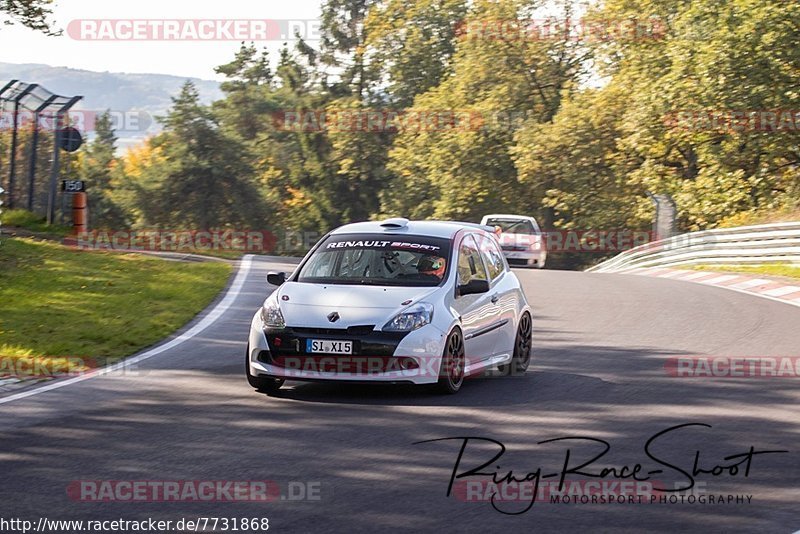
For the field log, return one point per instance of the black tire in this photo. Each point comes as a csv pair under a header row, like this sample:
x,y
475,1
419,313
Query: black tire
x,y
264,384
453,361
523,345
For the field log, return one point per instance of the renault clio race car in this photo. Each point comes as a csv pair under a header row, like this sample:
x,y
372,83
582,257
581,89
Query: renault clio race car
x,y
393,301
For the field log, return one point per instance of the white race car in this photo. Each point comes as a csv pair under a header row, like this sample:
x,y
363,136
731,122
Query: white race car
x,y
520,238
393,301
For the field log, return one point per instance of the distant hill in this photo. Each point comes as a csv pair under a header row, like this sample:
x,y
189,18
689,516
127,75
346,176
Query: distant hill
x,y
121,92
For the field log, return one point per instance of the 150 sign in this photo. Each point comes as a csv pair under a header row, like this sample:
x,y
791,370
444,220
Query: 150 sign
x,y
73,186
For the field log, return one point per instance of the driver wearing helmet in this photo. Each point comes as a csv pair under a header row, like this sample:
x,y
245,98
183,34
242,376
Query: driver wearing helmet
x,y
431,265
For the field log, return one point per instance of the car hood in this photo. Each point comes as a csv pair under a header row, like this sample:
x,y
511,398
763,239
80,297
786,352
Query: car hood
x,y
308,305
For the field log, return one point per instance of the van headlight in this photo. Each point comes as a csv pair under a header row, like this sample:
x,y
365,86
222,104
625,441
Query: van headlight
x,y
411,318
271,314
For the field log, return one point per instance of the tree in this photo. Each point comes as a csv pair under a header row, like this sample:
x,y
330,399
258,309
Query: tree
x,y
97,166
245,111
498,83
347,71
573,170
412,44
292,167
207,179
33,14
715,59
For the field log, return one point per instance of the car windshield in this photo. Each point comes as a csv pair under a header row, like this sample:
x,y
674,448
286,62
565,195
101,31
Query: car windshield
x,y
513,226
383,260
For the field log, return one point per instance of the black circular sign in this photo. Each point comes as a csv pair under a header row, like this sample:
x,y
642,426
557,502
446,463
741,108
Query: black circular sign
x,y
70,139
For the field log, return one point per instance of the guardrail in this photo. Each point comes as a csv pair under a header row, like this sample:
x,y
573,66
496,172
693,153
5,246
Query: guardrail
x,y
766,243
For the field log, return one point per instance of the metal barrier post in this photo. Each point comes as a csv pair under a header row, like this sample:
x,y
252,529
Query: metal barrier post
x,y
79,213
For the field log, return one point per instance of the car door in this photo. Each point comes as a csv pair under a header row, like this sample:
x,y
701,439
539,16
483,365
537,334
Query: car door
x,y
502,292
477,311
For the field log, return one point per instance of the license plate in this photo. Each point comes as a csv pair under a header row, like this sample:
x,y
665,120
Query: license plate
x,y
514,255
328,346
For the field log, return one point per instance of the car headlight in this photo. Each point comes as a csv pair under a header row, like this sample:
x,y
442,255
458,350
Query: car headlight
x,y
271,314
411,318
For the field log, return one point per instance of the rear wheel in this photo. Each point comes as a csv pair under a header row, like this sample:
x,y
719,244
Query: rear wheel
x,y
264,384
453,362
523,343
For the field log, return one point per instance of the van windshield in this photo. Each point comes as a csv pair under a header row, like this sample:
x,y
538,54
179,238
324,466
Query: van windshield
x,y
513,226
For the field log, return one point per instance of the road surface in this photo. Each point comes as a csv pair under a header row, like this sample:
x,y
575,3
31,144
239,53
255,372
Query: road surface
x,y
602,347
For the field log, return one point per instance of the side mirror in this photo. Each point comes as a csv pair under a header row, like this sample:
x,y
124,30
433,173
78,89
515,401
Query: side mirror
x,y
276,279
473,287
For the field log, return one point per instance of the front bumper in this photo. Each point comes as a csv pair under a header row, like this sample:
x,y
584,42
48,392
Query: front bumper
x,y
525,258
378,356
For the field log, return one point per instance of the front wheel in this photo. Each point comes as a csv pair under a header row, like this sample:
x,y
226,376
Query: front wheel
x,y
264,384
523,343
453,362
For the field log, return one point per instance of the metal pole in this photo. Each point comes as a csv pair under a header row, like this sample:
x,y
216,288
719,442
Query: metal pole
x,y
32,160
12,164
34,149
51,196
5,88
51,200
654,200
63,208
63,194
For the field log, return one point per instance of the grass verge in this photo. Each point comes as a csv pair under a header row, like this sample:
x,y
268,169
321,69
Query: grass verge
x,y
30,221
59,304
785,270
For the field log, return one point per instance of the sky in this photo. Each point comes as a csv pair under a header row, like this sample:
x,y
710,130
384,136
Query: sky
x,y
79,18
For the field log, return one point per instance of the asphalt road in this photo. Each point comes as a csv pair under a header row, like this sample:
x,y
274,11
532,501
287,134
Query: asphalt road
x,y
601,345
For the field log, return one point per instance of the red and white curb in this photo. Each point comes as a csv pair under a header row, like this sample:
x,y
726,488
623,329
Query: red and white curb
x,y
777,290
